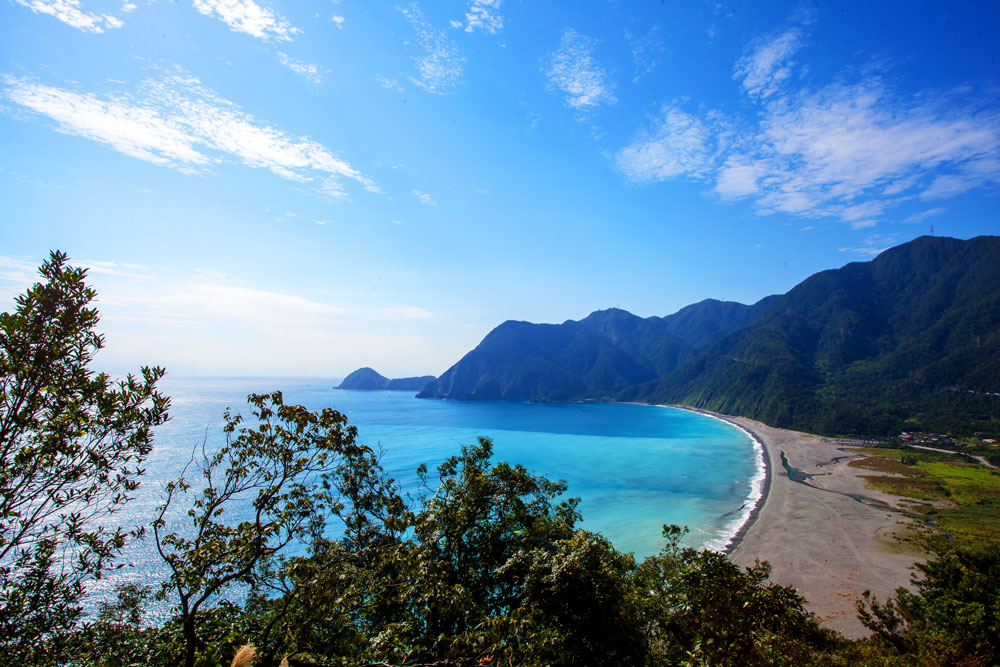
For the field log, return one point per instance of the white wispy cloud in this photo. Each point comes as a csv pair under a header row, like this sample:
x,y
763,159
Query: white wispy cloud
x,y
948,185
424,198
206,321
338,21
307,70
16,275
248,17
875,244
646,51
923,215
574,71
71,13
677,143
123,269
439,65
736,179
849,150
388,83
178,123
848,141
768,63
483,15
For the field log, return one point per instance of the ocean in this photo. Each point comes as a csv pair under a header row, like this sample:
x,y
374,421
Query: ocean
x,y
634,467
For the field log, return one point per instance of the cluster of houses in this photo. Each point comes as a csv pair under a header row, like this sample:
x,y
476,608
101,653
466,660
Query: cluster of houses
x,y
917,438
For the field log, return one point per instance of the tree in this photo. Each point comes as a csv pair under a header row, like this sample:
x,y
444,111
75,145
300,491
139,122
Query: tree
x,y
445,584
288,468
72,444
699,605
953,617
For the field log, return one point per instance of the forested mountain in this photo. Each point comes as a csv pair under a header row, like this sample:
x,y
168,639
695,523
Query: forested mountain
x,y
367,379
594,358
910,339
702,323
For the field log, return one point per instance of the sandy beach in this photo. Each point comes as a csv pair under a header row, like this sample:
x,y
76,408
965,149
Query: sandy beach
x,y
827,545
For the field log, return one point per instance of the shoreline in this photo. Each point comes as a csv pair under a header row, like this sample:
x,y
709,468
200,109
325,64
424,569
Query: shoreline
x,y
819,537
760,489
760,485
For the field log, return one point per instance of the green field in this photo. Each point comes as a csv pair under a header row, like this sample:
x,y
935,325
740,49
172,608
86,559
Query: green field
x,y
960,497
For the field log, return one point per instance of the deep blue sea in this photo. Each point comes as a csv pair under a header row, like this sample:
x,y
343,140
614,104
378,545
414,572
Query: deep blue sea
x,y
634,467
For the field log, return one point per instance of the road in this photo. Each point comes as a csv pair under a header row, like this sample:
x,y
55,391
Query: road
x,y
981,459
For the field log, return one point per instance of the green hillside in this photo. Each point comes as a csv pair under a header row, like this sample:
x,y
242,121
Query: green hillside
x,y
910,339
907,341
594,358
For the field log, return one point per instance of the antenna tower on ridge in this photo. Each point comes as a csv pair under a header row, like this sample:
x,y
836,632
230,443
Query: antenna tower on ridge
x,y
932,230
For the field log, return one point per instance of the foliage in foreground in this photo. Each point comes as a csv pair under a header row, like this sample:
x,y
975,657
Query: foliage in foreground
x,y
72,445
952,617
491,570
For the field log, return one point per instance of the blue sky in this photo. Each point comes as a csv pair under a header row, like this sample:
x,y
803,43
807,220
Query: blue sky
x,y
301,188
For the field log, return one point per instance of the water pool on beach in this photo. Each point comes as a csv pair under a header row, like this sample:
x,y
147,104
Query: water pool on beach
x,y
635,467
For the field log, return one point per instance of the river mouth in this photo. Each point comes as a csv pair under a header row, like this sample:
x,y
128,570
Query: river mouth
x,y
795,474
803,478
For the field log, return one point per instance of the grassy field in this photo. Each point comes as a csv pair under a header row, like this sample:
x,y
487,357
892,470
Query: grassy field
x,y
960,497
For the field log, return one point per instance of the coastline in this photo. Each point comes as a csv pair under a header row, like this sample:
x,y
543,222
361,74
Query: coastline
x,y
825,537
759,489
760,485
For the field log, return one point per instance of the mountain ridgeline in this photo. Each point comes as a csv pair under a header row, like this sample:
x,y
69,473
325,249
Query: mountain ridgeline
x,y
367,379
907,341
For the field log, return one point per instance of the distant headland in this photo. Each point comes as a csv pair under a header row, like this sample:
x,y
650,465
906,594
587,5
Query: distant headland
x,y
368,379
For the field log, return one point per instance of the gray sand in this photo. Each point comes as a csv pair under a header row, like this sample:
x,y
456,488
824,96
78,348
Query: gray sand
x,y
826,545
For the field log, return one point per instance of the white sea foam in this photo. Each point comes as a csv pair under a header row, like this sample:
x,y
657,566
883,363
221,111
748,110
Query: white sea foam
x,y
729,532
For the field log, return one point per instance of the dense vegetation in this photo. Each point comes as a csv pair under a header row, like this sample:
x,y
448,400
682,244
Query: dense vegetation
x,y
332,565
908,341
71,448
959,496
595,358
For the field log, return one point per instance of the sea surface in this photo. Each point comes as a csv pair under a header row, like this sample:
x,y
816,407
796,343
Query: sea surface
x,y
634,467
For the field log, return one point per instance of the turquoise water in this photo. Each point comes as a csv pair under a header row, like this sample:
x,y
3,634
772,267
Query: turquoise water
x,y
634,467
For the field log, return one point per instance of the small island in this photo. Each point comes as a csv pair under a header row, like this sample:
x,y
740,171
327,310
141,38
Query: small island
x,y
368,379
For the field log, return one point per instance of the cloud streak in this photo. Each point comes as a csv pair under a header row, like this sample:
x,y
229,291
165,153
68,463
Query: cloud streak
x,y
573,70
484,15
676,143
424,198
439,65
248,17
176,122
852,151
768,63
72,13
924,215
304,69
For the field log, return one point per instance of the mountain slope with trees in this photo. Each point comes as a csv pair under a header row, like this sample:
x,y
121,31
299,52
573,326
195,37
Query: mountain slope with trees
x,y
909,340
593,358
